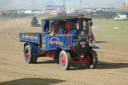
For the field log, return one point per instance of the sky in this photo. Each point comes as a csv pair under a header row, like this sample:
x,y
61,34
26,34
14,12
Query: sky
x,y
70,4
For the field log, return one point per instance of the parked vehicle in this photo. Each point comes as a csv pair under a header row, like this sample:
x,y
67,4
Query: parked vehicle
x,y
65,39
120,17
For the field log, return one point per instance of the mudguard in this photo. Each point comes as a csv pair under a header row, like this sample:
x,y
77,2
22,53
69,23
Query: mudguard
x,y
95,47
65,48
34,49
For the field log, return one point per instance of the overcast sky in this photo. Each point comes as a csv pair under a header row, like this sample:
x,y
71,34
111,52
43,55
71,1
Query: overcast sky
x,y
70,4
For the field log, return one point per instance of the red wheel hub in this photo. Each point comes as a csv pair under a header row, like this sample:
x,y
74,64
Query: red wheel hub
x,y
28,54
63,60
88,60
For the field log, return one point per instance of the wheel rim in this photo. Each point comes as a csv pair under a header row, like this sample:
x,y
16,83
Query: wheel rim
x,y
63,60
89,60
92,59
27,54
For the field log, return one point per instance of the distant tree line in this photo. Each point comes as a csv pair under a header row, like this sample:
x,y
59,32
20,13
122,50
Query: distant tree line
x,y
92,14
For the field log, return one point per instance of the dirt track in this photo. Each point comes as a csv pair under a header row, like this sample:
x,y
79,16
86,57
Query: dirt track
x,y
112,68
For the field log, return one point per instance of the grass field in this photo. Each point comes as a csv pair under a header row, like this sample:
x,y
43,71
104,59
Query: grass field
x,y
110,30
111,36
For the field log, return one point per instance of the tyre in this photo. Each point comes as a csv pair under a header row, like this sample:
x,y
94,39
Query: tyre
x,y
65,60
92,59
29,58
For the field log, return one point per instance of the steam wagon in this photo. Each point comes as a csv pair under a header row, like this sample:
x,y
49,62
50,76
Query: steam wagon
x,y
68,40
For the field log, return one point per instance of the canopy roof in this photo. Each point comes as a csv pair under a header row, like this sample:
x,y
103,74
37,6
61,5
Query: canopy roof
x,y
64,18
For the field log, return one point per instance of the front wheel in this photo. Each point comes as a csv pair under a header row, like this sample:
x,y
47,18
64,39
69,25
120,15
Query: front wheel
x,y
65,60
92,59
29,58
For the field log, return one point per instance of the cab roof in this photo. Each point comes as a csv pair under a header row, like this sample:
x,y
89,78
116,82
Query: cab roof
x,y
64,18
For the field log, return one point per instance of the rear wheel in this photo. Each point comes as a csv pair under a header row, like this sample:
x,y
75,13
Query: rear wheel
x,y
65,60
29,58
92,59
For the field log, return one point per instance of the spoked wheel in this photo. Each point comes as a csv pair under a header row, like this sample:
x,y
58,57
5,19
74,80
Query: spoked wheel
x,y
29,58
92,59
65,60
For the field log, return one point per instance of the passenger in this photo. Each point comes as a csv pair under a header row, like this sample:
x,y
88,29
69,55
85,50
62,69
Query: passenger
x,y
47,30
